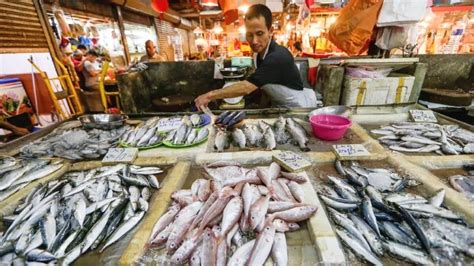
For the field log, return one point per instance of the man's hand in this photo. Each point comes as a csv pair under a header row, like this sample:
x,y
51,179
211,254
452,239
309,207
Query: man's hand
x,y
20,131
202,100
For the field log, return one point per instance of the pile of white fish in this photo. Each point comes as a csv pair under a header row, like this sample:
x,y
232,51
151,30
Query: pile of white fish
x,y
215,222
264,135
74,144
148,134
15,174
62,219
373,217
426,137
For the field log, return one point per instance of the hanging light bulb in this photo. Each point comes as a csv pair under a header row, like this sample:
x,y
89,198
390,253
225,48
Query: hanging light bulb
x,y
198,30
217,28
242,29
209,3
243,8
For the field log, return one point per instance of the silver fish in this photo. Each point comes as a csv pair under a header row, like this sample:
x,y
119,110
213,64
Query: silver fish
x,y
358,248
123,229
239,138
221,141
279,250
269,139
438,198
242,254
281,135
407,253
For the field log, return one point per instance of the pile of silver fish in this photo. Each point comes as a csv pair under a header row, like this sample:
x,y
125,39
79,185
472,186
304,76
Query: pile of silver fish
x,y
62,219
16,174
74,144
147,134
144,135
187,133
426,137
264,135
373,216
237,217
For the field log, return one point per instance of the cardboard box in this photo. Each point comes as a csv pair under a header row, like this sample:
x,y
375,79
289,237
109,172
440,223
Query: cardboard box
x,y
377,91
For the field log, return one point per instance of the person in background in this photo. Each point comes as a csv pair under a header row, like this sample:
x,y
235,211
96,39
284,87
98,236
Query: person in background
x,y
90,72
82,48
297,51
151,54
276,73
76,58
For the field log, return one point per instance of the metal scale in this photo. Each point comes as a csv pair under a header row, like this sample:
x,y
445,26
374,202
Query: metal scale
x,y
233,74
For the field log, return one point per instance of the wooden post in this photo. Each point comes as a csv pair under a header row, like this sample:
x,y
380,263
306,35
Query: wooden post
x,y
48,32
420,73
118,13
157,32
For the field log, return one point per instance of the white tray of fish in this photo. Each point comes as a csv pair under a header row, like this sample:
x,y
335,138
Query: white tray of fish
x,y
83,211
263,136
414,137
240,216
378,217
74,144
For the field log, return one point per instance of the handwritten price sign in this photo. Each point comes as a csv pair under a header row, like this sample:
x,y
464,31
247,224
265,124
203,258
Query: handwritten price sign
x,y
291,161
423,116
345,151
168,124
120,155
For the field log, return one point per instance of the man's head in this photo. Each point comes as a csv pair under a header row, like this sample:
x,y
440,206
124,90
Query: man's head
x,y
91,55
77,54
150,48
258,25
82,48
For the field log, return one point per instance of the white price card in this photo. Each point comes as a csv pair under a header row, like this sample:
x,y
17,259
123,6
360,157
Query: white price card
x,y
350,151
168,124
423,116
291,161
120,155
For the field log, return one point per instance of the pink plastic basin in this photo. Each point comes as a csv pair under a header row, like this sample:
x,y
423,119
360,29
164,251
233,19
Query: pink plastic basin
x,y
329,127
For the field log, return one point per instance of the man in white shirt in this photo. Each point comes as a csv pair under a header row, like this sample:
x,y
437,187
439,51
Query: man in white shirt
x,y
90,72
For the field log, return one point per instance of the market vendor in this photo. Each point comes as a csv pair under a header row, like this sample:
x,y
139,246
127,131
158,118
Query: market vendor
x,y
151,54
276,73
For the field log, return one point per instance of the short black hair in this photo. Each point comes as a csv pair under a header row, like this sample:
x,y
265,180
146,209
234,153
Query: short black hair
x,y
82,47
92,52
259,10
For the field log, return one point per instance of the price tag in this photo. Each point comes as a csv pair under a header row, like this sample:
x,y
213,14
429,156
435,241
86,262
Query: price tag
x,y
291,161
168,124
350,151
423,116
120,155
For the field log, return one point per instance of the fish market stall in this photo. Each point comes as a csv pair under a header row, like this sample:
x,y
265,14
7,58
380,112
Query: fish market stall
x,y
446,139
254,137
201,204
403,215
86,215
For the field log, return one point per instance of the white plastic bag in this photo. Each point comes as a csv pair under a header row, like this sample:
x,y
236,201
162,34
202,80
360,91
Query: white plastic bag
x,y
391,37
401,12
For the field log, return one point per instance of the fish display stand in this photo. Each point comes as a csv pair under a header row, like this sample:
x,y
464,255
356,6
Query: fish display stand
x,y
309,244
354,135
429,185
117,252
375,121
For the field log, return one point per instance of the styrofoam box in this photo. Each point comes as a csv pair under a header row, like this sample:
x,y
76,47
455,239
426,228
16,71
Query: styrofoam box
x,y
378,91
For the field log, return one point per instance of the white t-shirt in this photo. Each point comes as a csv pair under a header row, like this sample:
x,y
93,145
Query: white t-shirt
x,y
90,81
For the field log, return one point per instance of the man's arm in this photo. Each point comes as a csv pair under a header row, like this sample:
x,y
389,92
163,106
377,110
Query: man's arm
x,y
240,88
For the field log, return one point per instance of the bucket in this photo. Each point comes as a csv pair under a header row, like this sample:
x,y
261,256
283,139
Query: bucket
x,y
329,127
